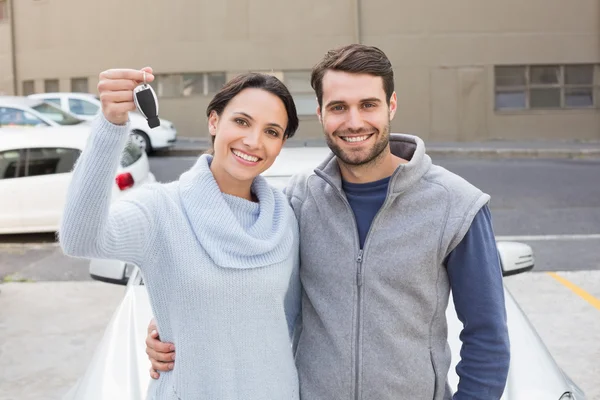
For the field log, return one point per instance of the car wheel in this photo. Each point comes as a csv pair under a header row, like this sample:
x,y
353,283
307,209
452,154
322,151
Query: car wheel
x,y
141,140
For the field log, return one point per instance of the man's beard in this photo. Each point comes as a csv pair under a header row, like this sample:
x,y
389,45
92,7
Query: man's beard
x,y
355,158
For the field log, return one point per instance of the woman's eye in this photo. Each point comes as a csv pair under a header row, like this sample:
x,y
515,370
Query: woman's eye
x,y
273,132
240,121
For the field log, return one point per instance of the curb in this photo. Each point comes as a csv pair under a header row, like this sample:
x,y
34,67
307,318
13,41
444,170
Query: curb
x,y
484,153
508,153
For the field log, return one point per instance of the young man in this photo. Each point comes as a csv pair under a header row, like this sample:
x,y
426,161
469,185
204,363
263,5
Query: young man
x,y
384,236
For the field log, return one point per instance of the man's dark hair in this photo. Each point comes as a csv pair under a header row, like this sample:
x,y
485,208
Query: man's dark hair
x,y
356,59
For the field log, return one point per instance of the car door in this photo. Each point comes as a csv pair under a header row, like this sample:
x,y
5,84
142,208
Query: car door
x,y
83,109
11,172
47,177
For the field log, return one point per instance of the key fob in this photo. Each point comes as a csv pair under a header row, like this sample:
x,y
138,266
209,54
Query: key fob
x,y
147,104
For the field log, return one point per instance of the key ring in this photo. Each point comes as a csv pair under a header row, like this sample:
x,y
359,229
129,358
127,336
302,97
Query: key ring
x,y
144,77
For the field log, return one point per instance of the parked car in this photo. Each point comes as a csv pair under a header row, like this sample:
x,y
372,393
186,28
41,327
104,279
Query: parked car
x,y
23,112
35,171
119,367
86,105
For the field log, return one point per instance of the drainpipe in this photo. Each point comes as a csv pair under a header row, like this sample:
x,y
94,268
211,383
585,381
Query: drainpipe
x,y
357,27
11,17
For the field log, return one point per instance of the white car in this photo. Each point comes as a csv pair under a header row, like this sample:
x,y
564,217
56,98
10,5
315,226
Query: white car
x,y
86,105
22,112
119,367
35,171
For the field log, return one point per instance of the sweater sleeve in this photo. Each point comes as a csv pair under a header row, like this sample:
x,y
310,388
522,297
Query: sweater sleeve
x,y
92,226
476,279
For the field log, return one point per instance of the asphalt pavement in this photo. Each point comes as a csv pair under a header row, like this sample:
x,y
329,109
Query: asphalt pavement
x,y
504,149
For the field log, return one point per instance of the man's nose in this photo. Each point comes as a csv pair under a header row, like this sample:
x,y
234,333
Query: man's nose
x,y
354,121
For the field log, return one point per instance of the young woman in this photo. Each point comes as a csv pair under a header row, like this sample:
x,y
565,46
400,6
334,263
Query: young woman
x,y
218,248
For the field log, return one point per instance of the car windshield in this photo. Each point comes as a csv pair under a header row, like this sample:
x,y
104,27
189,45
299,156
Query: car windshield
x,y
56,114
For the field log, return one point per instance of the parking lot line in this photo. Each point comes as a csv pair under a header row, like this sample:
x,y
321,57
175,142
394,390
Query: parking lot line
x,y
577,290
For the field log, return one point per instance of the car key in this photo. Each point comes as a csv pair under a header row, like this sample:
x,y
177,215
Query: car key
x,y
147,103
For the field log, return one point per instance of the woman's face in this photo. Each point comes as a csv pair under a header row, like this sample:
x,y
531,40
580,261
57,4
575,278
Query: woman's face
x,y
248,135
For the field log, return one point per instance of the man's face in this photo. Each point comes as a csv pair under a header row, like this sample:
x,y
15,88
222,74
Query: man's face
x,y
355,116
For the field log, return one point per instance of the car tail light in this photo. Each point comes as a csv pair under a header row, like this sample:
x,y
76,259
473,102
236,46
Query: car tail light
x,y
124,181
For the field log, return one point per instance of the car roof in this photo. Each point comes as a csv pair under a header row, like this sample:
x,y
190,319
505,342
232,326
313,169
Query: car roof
x,y
57,94
7,101
43,137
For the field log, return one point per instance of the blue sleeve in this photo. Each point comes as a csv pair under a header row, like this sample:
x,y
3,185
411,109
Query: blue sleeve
x,y
475,276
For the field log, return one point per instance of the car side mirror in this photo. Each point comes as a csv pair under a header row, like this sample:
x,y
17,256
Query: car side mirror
x,y
515,257
111,271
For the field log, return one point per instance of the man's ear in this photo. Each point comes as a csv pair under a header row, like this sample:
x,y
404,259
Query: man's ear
x,y
319,114
393,105
213,122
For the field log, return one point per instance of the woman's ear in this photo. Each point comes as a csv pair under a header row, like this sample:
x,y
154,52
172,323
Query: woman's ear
x,y
213,122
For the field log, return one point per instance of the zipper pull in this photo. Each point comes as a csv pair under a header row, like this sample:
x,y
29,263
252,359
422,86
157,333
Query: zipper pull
x,y
359,277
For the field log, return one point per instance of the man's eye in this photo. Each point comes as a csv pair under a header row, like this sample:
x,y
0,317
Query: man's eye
x,y
338,108
369,105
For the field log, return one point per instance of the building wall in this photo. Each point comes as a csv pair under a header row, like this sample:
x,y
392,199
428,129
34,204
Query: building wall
x,y
443,52
6,77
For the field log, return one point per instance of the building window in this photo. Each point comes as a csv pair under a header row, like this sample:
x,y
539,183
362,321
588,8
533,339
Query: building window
x,y
51,86
186,85
3,10
79,85
298,83
543,87
28,87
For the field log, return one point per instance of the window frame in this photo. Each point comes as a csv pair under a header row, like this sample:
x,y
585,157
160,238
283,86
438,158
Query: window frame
x,y
301,95
27,155
563,88
178,80
25,83
48,82
81,79
4,12
17,174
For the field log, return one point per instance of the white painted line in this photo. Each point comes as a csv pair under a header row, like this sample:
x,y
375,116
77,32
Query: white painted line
x,y
539,238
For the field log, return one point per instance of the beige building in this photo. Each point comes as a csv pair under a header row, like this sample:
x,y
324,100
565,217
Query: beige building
x,y
464,69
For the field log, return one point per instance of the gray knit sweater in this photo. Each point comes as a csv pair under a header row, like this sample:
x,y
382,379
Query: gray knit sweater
x,y
221,272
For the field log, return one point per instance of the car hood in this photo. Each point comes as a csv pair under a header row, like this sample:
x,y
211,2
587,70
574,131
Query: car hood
x,y
533,372
119,367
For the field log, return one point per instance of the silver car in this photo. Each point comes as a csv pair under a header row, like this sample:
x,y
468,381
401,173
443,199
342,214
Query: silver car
x,y
119,367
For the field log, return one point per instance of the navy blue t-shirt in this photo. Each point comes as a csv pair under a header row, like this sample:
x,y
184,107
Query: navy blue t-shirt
x,y
475,276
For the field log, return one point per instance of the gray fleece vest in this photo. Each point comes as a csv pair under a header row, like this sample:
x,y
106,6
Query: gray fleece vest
x,y
373,320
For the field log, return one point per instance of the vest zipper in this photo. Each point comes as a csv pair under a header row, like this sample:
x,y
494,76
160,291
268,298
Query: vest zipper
x,y
359,273
359,277
359,282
